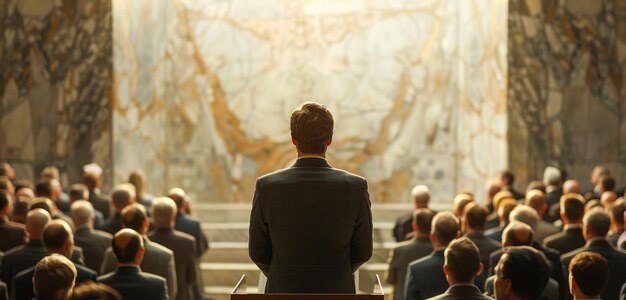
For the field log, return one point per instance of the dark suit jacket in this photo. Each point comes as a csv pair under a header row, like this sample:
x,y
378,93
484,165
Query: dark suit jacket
x,y
486,247
492,221
617,264
192,227
425,277
310,228
184,248
94,243
23,282
403,227
133,284
100,203
495,233
113,224
550,292
13,234
4,295
19,259
552,198
622,294
157,260
462,292
567,240
399,260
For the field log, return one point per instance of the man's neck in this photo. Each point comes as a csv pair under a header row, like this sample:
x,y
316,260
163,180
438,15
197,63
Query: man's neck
x,y
133,264
312,155
472,230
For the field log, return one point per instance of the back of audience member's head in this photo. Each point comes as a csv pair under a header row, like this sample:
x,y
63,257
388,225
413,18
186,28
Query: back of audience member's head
x,y
607,183
178,195
462,261
420,194
95,291
6,185
597,173
43,203
596,223
82,213
459,203
25,193
58,238
572,208
571,186
138,179
492,187
91,181
422,221
607,199
499,197
589,274
525,214
506,177
78,191
128,246
444,229
54,278
20,211
474,217
517,234
7,170
6,203
552,176
134,217
522,272
50,172
591,204
44,188
163,212
535,185
122,196
536,200
617,213
504,211
36,221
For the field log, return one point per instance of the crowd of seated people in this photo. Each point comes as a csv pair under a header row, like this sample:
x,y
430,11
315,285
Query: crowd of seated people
x,y
87,244
554,242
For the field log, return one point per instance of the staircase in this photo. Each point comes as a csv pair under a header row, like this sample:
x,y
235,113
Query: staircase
x,y
226,226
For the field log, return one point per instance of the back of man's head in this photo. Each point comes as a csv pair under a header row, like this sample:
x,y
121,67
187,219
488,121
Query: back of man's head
x,y
536,200
501,196
517,234
54,278
128,246
134,217
507,177
58,237
43,203
36,221
506,207
422,218
82,213
445,228
617,212
572,207
459,203
95,291
462,261
571,186
311,127
122,196
78,191
607,183
178,195
607,198
6,203
91,181
535,185
163,212
44,188
590,273
596,223
552,176
421,196
475,216
525,214
523,272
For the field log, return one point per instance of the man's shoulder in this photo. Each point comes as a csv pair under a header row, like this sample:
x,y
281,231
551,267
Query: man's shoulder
x,y
425,262
158,250
86,272
285,173
25,275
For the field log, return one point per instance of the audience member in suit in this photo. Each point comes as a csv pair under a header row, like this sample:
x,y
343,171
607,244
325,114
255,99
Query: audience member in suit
x,y
522,273
506,181
420,195
444,229
589,275
93,242
13,234
460,202
51,188
95,291
186,224
505,208
51,208
157,259
138,180
621,242
596,174
572,212
616,211
53,278
536,200
552,179
183,245
80,191
23,257
58,239
607,199
622,294
572,186
4,295
472,224
122,196
493,188
311,224
596,224
20,210
92,178
408,251
462,264
128,279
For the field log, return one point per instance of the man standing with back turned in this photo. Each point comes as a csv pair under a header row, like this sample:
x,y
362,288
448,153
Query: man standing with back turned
x,y
311,224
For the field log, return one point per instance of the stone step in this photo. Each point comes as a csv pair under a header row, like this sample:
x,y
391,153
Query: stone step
x,y
237,252
238,231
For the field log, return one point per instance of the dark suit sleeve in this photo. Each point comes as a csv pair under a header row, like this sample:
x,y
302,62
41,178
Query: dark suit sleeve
x,y
411,291
391,272
163,288
3,291
361,243
260,246
202,243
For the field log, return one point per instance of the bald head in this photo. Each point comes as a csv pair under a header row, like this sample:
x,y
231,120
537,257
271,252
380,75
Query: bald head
x,y
537,201
444,229
36,221
421,196
58,238
163,212
178,195
128,246
525,214
608,198
571,186
517,234
122,196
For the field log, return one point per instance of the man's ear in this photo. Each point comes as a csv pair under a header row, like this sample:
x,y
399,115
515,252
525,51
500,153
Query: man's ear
x,y
446,270
294,141
329,141
480,268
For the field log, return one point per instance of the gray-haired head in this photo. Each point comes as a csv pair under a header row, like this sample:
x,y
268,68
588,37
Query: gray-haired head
x,y
525,214
596,223
421,196
82,213
552,176
445,228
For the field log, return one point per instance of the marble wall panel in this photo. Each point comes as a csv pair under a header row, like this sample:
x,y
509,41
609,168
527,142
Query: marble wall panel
x,y
204,90
567,90
55,78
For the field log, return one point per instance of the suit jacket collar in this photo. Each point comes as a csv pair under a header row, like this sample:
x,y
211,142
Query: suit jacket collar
x,y
438,252
463,290
128,270
599,243
311,162
35,244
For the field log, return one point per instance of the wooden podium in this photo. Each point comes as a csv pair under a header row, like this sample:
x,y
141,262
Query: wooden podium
x,y
240,293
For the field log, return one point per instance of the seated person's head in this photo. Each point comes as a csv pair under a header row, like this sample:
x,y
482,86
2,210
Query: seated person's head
x,y
134,217
517,234
444,229
522,272
6,204
82,214
54,278
596,223
58,238
460,202
474,217
128,247
178,195
589,273
95,291
163,212
422,221
78,191
462,262
504,210
311,128
36,221
572,208
122,196
525,214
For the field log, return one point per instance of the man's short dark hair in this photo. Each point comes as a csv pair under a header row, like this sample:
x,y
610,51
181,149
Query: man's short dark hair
x,y
311,125
617,211
5,199
133,216
79,191
56,234
423,217
607,182
52,274
126,249
43,203
528,270
44,188
463,258
445,226
574,206
23,183
90,181
591,272
95,291
475,216
508,176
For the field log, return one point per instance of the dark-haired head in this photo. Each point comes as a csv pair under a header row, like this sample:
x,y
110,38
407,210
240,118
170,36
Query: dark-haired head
x,y
522,272
311,128
589,274
462,261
